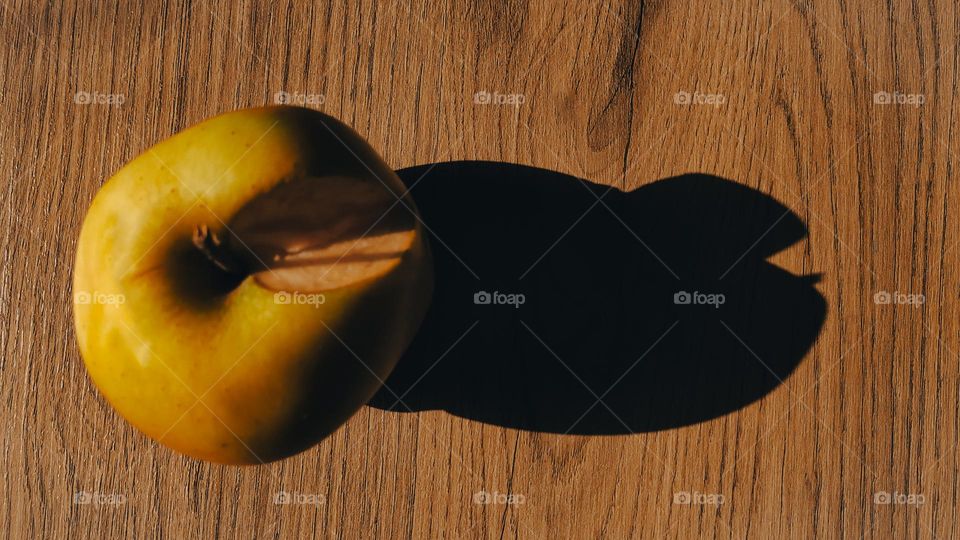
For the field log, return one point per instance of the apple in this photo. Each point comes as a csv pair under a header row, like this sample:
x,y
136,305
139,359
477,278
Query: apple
x,y
245,286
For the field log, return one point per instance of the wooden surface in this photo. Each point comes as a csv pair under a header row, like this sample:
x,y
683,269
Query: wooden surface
x,y
870,408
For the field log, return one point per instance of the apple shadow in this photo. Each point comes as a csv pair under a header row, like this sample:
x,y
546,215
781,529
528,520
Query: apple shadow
x,y
621,328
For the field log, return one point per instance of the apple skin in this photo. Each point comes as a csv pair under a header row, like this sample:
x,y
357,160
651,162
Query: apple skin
x,y
272,379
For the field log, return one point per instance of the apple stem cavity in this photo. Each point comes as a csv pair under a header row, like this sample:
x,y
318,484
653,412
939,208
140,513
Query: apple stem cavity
x,y
312,234
209,243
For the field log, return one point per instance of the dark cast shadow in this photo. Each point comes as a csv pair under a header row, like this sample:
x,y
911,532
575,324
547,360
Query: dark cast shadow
x,y
603,342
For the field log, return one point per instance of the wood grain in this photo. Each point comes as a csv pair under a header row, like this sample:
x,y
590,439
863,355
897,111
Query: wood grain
x,y
872,408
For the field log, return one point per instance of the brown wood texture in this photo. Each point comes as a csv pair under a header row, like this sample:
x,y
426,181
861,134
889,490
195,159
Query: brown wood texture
x,y
872,408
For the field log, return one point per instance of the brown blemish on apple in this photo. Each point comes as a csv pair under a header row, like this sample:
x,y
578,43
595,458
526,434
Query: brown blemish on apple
x,y
313,234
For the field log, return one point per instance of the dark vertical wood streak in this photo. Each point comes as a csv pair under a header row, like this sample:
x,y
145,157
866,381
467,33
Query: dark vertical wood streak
x,y
290,17
955,495
510,477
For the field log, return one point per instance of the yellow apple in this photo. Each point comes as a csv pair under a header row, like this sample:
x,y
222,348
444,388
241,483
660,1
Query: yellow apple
x,y
242,288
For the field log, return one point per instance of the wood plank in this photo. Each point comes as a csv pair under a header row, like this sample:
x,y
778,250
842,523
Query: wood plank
x,y
870,409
